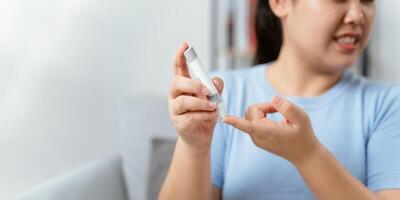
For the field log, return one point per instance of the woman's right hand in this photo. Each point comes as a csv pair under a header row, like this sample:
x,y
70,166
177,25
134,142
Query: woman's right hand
x,y
192,114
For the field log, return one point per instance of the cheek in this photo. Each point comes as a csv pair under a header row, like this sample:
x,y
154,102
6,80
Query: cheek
x,y
314,28
342,61
314,37
368,26
316,43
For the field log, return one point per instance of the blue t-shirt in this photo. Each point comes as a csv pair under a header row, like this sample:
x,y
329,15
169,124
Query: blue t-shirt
x,y
357,120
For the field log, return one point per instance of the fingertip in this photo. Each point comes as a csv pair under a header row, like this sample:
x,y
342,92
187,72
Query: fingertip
x,y
219,84
185,44
289,110
277,100
227,119
182,48
218,80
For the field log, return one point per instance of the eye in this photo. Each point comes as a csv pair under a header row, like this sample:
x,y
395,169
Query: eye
x,y
340,1
367,1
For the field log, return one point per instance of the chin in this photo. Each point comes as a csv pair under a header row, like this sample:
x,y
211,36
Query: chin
x,y
342,63
337,67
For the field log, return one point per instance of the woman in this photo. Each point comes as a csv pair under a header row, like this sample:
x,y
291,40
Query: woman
x,y
311,128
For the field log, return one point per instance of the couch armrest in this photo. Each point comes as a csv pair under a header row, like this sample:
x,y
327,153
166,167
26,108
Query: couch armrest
x,y
101,180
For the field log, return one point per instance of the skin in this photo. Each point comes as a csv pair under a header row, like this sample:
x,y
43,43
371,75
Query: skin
x,y
189,176
310,63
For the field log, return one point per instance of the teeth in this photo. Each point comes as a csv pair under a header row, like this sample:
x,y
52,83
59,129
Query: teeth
x,y
347,40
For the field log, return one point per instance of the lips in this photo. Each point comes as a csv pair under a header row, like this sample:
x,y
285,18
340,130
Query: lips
x,y
348,42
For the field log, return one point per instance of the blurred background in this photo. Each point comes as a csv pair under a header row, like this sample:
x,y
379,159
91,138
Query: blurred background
x,y
66,66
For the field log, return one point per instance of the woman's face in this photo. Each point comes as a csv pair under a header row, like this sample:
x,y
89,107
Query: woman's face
x,y
329,33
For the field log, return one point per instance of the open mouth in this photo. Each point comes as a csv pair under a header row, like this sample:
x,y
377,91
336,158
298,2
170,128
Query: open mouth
x,y
348,43
347,40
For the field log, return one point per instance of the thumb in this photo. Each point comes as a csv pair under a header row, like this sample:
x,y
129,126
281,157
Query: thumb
x,y
219,84
290,111
180,67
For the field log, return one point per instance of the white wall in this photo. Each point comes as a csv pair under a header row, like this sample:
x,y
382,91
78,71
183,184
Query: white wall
x,y
385,44
65,65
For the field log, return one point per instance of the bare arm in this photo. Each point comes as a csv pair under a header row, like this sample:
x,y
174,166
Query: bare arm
x,y
328,179
194,117
294,140
189,176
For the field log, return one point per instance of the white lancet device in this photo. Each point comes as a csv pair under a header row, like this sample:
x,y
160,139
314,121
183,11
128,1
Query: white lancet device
x,y
200,72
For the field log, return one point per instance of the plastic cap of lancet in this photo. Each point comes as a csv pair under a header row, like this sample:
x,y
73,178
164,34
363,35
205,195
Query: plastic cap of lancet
x,y
190,54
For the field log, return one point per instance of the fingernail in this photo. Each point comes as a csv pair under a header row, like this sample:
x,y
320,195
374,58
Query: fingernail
x,y
204,90
277,100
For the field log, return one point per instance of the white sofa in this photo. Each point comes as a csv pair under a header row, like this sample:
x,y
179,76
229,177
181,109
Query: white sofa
x,y
101,179
146,141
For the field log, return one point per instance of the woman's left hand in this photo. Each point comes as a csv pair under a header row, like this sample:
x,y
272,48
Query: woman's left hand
x,y
293,138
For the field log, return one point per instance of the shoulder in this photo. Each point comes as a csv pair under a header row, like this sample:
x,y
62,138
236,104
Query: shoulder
x,y
380,100
376,92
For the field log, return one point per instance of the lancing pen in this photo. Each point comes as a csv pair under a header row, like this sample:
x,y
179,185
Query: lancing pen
x,y
199,71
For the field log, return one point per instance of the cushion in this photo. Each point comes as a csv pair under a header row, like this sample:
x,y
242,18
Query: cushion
x,y
140,120
161,155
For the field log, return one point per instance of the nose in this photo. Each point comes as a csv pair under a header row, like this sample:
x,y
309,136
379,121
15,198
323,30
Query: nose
x,y
355,14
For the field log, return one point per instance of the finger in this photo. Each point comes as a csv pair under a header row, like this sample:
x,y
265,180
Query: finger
x,y
200,116
219,84
180,67
183,85
184,104
266,108
290,111
253,113
267,127
202,95
239,123
259,111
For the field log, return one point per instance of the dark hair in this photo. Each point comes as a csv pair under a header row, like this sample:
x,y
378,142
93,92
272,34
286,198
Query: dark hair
x,y
268,33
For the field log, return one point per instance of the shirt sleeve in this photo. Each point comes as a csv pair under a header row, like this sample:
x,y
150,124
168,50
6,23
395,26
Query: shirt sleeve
x,y
383,146
218,147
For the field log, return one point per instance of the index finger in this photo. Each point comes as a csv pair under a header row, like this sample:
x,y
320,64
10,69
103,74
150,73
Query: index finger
x,y
245,125
180,67
259,111
266,108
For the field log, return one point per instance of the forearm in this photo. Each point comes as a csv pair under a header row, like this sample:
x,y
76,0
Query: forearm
x,y
189,176
328,179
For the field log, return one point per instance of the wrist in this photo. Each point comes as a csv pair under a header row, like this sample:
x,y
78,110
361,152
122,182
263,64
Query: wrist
x,y
315,154
194,150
